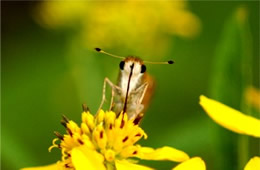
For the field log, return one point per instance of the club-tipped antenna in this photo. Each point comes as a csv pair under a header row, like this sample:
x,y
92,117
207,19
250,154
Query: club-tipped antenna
x,y
149,62
160,62
112,55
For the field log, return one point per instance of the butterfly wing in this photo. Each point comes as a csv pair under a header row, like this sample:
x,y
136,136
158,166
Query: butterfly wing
x,y
149,91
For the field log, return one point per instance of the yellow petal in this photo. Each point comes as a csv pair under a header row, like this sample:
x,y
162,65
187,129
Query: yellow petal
x,y
230,118
100,116
253,164
195,163
126,165
84,158
100,136
88,118
164,153
55,166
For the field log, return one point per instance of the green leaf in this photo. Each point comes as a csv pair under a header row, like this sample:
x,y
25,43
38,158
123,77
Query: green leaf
x,y
231,67
231,75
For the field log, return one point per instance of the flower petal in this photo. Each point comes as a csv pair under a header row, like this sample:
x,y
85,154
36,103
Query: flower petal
x,y
55,166
195,163
253,164
230,118
126,165
164,153
84,158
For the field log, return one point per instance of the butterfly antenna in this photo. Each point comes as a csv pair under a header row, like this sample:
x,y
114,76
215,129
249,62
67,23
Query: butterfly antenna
x,y
112,55
164,62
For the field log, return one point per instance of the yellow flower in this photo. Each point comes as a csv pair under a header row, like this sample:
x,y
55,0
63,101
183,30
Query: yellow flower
x,y
235,121
196,163
252,95
253,164
127,24
106,141
230,118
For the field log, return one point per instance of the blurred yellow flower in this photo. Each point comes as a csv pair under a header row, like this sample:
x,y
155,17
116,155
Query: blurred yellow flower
x,y
230,118
106,141
196,163
253,164
253,97
129,24
235,121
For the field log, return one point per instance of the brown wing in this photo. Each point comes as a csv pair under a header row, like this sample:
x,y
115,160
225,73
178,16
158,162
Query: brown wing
x,y
149,92
147,97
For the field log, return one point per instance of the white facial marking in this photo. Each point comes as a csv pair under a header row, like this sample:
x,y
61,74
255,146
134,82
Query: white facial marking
x,y
135,78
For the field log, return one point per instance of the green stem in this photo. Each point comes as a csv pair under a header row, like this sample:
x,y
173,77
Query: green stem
x,y
246,67
243,145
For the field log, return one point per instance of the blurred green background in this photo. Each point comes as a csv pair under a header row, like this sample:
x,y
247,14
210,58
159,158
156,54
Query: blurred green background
x,y
49,68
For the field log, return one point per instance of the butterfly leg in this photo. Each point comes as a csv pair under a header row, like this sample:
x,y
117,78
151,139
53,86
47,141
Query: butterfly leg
x,y
112,98
113,86
138,96
144,87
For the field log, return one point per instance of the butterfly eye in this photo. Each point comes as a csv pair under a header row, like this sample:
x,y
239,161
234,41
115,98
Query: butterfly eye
x,y
121,65
143,68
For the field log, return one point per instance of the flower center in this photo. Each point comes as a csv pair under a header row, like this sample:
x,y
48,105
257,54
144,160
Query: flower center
x,y
112,137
